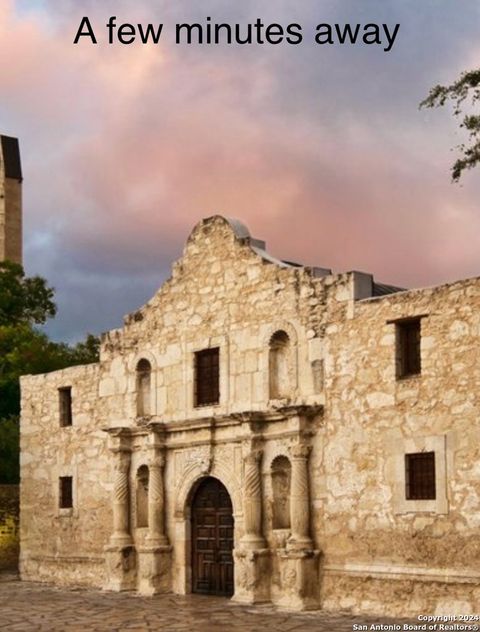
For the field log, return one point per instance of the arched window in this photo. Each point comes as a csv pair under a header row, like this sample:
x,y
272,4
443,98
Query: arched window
x,y
144,379
279,365
142,496
281,476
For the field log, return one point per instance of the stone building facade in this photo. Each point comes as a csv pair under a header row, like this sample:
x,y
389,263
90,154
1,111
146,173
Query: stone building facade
x,y
268,431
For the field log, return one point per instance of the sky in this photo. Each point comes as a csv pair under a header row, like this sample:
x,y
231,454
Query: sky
x,y
321,150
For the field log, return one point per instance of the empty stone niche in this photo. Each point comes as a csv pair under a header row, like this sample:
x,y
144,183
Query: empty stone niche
x,y
142,497
144,379
279,365
281,477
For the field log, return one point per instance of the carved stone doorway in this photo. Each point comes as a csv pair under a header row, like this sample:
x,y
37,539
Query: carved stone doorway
x,y
212,539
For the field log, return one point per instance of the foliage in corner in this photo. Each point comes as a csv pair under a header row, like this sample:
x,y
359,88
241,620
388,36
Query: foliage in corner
x,y
24,303
464,91
23,299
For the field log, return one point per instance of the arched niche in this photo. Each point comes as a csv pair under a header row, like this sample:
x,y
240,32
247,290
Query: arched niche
x,y
141,496
281,473
144,387
280,365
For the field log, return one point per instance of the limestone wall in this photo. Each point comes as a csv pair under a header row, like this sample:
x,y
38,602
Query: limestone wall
x,y
9,521
63,545
372,419
221,293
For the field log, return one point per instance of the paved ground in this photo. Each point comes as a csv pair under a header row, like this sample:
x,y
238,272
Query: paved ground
x,y
31,607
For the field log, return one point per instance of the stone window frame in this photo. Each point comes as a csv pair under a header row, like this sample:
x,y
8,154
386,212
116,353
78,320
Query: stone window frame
x,y
408,361
206,382
62,492
71,471
411,445
222,342
399,376
420,476
65,418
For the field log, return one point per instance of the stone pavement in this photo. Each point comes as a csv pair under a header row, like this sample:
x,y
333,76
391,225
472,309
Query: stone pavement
x,y
35,607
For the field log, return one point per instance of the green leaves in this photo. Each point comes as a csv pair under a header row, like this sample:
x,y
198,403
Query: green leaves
x,y
24,350
23,299
466,88
25,302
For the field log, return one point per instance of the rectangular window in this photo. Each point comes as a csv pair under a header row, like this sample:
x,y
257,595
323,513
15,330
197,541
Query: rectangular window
x,y
65,497
207,377
420,476
65,401
408,348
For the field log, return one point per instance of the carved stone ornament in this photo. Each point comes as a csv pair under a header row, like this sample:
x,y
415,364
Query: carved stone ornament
x,y
300,451
206,464
289,579
246,575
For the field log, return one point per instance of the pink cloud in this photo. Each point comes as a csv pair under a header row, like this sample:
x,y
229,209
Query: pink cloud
x,y
144,141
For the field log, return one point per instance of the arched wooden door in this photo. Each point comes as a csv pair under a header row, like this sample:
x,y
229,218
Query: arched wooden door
x,y
212,539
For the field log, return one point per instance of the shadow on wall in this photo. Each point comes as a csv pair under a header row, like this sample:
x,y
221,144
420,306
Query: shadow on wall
x,y
9,521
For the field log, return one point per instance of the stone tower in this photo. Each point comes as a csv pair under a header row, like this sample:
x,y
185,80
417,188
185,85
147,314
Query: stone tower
x,y
10,200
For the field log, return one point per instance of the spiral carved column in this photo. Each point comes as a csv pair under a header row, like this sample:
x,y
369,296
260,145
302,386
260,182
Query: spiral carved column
x,y
156,502
119,552
300,499
253,537
121,533
154,554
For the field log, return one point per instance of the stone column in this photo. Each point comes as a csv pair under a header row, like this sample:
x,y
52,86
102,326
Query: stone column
x,y
298,564
120,557
156,501
121,492
154,555
252,558
300,499
299,580
253,538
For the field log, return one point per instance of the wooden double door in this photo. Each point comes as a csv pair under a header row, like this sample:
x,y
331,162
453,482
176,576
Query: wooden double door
x,y
212,539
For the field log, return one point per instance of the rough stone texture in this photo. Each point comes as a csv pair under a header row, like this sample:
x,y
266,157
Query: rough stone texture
x,y
345,424
9,519
371,416
64,543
